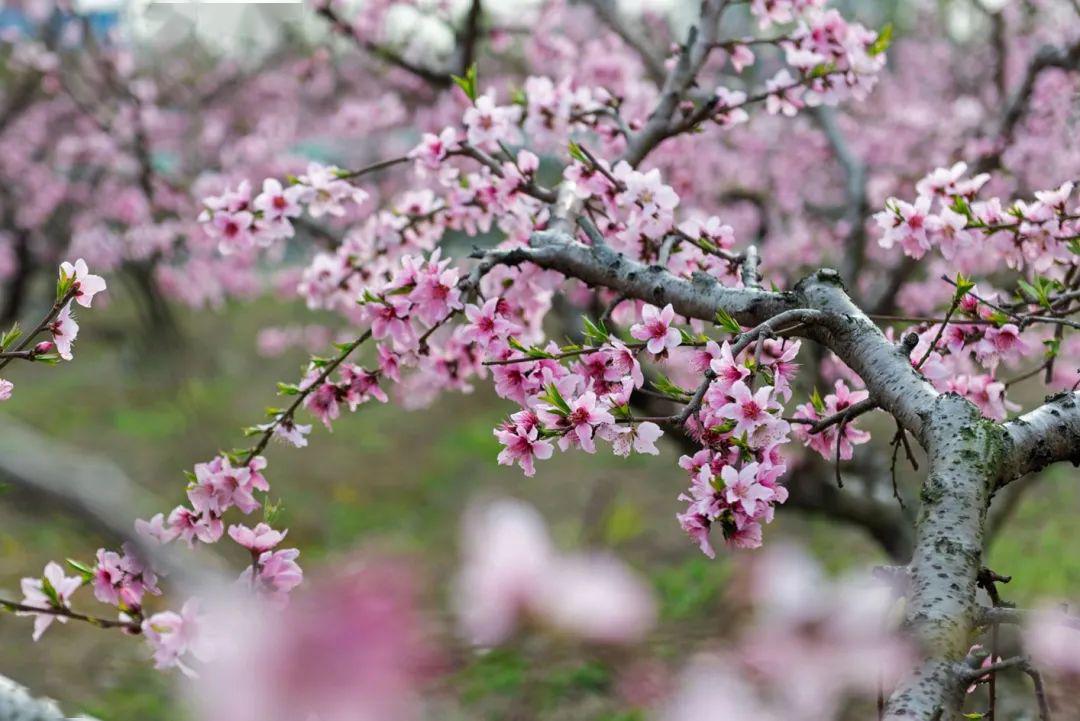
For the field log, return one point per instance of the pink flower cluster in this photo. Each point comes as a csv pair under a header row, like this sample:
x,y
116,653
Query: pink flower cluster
x,y
85,286
735,477
215,487
511,572
846,434
946,215
240,223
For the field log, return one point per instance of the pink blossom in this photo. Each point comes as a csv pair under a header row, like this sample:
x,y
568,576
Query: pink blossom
x,y
655,328
486,324
277,574
108,577
747,408
191,526
258,540
6,388
354,646
510,571
908,225
155,529
784,95
741,486
641,437
728,371
52,590
697,526
522,446
295,434
487,123
174,636
582,422
433,149
86,285
327,191
64,330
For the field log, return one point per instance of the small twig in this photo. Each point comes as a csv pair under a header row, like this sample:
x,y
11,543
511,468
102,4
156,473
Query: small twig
x,y
957,297
1018,616
132,626
839,438
49,317
848,414
374,167
751,278
695,401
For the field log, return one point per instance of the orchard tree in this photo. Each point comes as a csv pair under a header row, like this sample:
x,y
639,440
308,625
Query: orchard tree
x,y
744,243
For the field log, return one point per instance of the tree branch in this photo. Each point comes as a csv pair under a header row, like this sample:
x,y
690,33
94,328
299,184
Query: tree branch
x,y
17,704
1048,434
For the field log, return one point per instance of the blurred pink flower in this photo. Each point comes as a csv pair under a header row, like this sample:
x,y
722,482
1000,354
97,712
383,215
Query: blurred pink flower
x,y
347,649
511,570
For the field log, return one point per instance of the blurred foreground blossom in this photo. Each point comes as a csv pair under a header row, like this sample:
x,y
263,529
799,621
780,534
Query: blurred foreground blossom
x,y
1053,640
812,643
511,571
349,648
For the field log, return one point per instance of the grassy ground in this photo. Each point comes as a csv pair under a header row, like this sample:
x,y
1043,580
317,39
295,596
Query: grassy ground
x,y
394,481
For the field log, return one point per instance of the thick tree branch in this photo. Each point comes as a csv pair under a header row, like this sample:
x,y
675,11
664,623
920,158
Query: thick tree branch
x,y
965,451
1048,434
17,704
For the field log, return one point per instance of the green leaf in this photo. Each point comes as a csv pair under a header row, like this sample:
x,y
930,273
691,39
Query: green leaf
x,y
467,83
725,321
272,511
883,40
554,397
47,588
960,205
662,384
1038,291
63,285
85,571
288,389
817,402
596,332
963,286
726,427
577,153
11,336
